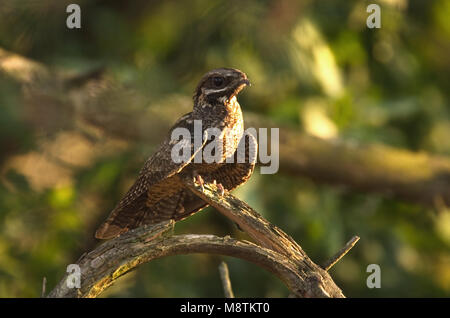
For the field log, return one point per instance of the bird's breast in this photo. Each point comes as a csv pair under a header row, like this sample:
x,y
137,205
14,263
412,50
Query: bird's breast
x,y
227,118
233,128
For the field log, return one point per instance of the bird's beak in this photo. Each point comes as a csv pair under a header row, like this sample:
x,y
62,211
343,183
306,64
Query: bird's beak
x,y
246,82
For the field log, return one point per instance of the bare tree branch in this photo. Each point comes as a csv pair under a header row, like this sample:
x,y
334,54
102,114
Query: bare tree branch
x,y
44,285
114,258
395,173
320,283
225,278
250,221
341,253
279,253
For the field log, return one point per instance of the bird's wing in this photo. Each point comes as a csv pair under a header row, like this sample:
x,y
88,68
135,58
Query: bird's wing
x,y
157,174
231,175
178,202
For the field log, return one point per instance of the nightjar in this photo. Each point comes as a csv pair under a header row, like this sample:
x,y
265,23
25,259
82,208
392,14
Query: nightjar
x,y
159,192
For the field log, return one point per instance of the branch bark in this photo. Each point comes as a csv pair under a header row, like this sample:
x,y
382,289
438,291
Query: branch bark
x,y
114,258
319,282
279,253
402,174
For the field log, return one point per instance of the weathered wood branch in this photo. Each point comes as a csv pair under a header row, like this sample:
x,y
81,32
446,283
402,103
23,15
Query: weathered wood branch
x,y
44,286
279,253
225,278
415,177
341,253
114,258
320,283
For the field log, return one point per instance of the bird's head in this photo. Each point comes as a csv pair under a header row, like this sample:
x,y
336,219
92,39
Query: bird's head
x,y
220,85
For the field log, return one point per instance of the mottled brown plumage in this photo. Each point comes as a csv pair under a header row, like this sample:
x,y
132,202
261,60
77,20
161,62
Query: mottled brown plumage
x,y
159,193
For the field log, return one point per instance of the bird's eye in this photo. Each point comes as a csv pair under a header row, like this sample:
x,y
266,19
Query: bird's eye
x,y
218,81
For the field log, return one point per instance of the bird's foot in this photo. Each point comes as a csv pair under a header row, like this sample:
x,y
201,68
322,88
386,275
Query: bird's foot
x,y
220,187
198,179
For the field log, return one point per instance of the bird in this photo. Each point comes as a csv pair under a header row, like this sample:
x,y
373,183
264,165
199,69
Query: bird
x,y
159,193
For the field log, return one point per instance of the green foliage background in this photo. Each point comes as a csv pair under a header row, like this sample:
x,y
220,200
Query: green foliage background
x,y
314,65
